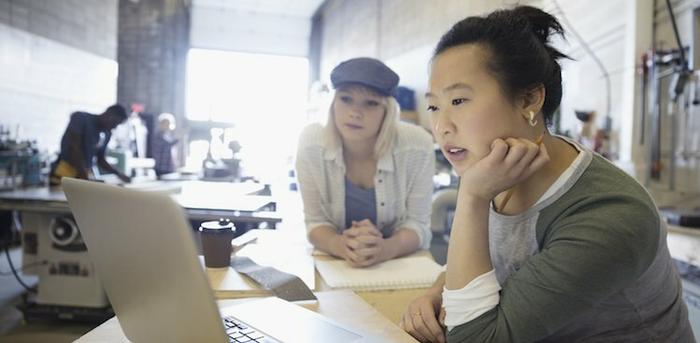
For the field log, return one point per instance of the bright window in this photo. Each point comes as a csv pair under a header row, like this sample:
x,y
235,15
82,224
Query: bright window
x,y
263,96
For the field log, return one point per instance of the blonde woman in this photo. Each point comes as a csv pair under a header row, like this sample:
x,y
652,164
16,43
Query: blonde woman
x,y
365,178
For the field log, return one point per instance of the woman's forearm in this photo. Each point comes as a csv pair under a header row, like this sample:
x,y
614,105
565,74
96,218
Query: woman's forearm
x,y
326,239
468,250
402,242
438,285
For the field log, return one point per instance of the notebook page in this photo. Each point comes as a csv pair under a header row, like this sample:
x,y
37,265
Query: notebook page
x,y
400,273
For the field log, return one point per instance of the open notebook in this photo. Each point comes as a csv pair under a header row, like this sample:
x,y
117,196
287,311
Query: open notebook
x,y
415,271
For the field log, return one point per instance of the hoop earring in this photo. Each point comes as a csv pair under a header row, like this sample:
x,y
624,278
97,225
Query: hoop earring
x,y
532,120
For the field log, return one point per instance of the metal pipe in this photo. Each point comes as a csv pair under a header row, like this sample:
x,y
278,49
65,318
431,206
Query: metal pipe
x,y
684,64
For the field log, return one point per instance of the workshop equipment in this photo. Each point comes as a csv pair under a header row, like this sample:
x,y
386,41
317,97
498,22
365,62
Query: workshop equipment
x,y
658,66
682,216
68,277
68,288
644,71
20,164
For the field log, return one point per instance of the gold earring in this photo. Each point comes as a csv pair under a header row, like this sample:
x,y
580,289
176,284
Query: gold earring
x,y
532,120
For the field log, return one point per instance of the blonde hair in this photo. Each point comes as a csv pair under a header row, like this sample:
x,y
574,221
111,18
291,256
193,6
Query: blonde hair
x,y
387,132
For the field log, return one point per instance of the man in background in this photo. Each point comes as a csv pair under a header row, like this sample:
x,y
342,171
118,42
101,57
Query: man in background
x,y
85,138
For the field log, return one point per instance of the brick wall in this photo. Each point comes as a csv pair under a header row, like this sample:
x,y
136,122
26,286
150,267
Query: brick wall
x,y
153,44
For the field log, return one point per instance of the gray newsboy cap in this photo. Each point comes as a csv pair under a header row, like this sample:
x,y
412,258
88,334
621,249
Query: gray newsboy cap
x,y
368,72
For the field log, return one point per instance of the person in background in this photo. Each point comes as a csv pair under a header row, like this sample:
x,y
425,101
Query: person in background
x,y
365,178
85,139
550,242
163,143
138,131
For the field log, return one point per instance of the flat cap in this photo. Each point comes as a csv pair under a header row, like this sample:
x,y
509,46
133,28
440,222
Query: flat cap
x,y
368,72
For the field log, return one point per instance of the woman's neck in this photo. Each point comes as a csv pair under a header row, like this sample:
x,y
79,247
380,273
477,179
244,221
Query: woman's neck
x,y
360,163
359,150
525,195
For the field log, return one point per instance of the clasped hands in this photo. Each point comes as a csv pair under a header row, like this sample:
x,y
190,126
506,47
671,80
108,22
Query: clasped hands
x,y
363,244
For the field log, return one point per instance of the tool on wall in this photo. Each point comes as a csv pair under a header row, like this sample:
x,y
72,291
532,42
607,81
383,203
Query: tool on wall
x,y
660,69
692,138
644,70
686,123
664,65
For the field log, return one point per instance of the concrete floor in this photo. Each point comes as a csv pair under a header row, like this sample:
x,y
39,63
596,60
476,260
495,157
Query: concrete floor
x,y
13,329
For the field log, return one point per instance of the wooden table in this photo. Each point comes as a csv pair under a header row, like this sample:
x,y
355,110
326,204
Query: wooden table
x,y
684,244
373,312
294,255
390,303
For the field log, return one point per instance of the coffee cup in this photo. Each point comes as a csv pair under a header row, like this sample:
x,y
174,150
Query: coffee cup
x,y
216,239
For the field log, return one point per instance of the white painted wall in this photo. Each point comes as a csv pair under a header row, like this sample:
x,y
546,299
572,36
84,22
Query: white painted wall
x,y
607,28
42,81
246,31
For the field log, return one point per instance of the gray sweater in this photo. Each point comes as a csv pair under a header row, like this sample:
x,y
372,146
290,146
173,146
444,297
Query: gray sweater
x,y
589,263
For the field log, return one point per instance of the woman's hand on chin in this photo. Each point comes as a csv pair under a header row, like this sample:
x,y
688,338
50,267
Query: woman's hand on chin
x,y
510,161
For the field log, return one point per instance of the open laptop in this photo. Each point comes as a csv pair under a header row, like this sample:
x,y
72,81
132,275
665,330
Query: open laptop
x,y
143,251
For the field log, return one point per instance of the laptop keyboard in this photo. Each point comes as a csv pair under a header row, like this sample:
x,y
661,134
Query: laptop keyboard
x,y
240,333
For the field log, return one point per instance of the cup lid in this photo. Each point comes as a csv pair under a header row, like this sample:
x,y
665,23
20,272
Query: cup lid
x,y
221,225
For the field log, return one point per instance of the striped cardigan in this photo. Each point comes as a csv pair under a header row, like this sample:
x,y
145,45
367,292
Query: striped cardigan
x,y
403,182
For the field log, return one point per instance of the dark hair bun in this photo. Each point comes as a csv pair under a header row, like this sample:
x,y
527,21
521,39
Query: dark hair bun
x,y
543,25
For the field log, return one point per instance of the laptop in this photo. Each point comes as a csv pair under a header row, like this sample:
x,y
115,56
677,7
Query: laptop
x,y
144,253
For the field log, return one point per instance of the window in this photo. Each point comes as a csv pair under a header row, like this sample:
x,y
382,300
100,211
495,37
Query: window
x,y
258,100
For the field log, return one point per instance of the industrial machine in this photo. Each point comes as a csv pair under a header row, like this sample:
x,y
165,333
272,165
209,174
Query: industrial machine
x,y
68,286
20,163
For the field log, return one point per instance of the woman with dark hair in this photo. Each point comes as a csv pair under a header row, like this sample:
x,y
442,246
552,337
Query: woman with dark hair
x,y
550,242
